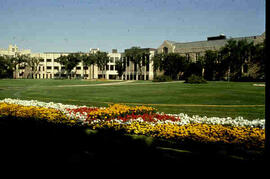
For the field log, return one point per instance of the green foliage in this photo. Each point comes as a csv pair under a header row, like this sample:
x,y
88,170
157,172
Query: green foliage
x,y
120,67
70,62
5,67
193,68
233,56
162,78
171,63
89,59
137,56
102,59
193,79
210,64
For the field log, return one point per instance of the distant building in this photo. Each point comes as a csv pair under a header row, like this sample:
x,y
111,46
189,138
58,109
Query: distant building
x,y
192,50
14,50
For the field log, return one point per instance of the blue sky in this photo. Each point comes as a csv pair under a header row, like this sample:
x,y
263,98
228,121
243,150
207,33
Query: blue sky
x,y
78,25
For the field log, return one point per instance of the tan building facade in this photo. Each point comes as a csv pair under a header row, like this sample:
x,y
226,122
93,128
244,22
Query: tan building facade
x,y
13,50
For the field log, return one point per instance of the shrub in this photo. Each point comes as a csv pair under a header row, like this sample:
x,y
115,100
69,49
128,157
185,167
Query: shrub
x,y
195,79
162,78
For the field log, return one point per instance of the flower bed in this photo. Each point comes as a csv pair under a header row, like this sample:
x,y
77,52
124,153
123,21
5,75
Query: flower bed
x,y
143,120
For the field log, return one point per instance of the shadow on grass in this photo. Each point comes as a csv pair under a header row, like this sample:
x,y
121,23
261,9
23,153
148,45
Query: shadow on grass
x,y
43,144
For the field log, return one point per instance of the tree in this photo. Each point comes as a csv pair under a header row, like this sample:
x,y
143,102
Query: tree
x,y
138,57
234,55
101,60
6,67
17,61
193,68
89,60
158,61
33,63
70,62
210,64
172,64
258,56
120,67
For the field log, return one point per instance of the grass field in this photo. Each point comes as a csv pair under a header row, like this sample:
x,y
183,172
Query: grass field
x,y
220,99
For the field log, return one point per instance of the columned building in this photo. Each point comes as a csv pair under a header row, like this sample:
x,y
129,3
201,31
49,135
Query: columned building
x,y
144,71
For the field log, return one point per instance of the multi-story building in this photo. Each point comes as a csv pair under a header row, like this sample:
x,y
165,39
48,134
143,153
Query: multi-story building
x,y
49,67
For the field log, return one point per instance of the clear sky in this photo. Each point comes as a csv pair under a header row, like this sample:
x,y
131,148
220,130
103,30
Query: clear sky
x,y
78,25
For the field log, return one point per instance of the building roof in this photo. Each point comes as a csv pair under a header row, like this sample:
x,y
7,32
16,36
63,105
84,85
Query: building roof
x,y
211,44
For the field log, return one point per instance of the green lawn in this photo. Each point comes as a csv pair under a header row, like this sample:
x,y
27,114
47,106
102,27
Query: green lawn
x,y
221,99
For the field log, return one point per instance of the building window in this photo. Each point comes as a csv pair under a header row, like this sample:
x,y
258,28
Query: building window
x,y
49,60
111,59
78,68
165,50
111,67
49,67
56,68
